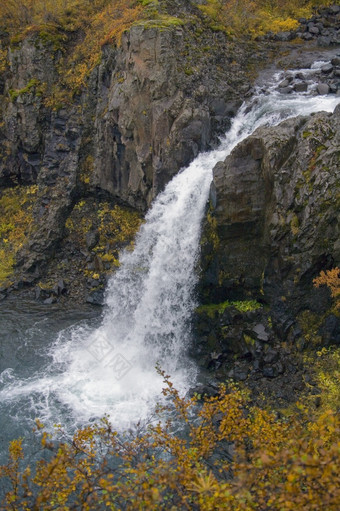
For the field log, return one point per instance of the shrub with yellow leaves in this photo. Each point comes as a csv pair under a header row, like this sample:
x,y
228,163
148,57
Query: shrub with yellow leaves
x,y
16,218
219,453
256,17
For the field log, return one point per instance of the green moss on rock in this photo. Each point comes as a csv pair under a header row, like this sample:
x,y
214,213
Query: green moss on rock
x,y
242,305
32,85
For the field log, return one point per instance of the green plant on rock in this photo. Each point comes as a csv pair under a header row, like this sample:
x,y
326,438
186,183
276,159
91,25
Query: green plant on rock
x,y
3,59
87,168
241,305
116,227
294,225
32,86
210,241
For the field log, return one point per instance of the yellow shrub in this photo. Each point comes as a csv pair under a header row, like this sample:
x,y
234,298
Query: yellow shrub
x,y
96,22
331,279
16,206
256,17
222,453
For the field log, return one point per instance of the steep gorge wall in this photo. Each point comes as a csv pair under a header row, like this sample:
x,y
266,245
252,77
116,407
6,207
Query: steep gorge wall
x,y
273,226
150,106
276,201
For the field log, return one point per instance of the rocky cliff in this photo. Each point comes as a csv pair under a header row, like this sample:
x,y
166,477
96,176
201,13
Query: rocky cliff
x,y
276,208
273,225
149,107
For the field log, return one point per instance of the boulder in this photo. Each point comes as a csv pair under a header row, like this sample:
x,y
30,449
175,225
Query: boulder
x,y
300,87
92,238
96,297
328,68
323,88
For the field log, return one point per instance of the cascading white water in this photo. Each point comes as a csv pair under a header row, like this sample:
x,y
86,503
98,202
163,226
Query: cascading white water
x,y
111,369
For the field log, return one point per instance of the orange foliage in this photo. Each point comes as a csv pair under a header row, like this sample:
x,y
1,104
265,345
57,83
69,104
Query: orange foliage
x,y
106,26
331,279
55,22
217,454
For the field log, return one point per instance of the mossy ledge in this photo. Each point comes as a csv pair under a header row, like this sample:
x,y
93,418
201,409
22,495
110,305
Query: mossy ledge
x,y
241,305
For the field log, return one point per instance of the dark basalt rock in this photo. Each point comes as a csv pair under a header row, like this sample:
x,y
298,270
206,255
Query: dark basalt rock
x,y
330,330
144,115
284,36
96,297
154,115
323,88
307,36
300,87
323,28
260,332
92,238
275,204
50,300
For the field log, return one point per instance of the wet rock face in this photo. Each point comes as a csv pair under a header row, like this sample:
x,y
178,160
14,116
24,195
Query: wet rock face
x,y
276,207
275,213
57,189
154,112
149,129
25,119
149,108
242,196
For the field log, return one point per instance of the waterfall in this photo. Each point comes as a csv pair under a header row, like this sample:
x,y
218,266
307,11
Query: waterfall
x,y
149,300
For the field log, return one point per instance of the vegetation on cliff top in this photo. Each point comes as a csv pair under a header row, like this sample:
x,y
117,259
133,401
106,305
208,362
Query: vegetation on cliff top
x,y
19,17
77,29
257,17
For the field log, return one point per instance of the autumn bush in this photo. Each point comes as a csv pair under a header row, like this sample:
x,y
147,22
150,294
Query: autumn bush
x,y
219,453
201,453
331,279
76,30
16,218
257,17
